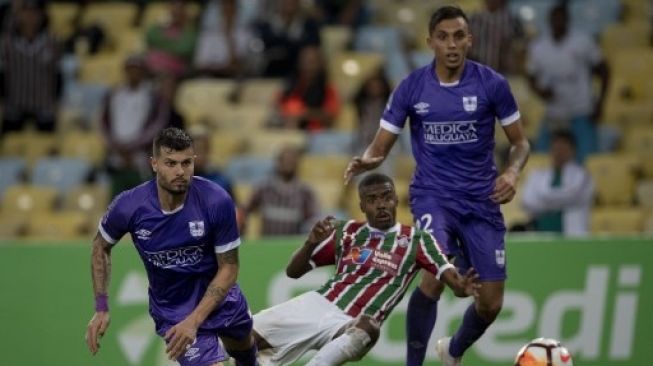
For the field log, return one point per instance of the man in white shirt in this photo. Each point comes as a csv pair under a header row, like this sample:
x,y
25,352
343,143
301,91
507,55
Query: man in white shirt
x,y
560,68
559,198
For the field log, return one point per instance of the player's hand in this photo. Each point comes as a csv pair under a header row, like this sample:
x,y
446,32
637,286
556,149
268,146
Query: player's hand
x,y
359,165
470,283
321,230
96,329
180,337
505,187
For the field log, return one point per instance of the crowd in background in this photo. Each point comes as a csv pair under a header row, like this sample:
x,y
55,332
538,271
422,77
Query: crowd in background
x,y
277,95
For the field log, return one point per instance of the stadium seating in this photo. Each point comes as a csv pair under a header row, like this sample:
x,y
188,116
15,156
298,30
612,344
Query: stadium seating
x,y
91,199
260,92
87,146
64,174
321,168
617,221
348,70
30,146
334,39
105,69
645,194
330,142
61,15
249,169
13,170
614,178
159,12
269,142
114,17
329,195
201,98
617,37
59,226
224,146
25,199
404,166
639,141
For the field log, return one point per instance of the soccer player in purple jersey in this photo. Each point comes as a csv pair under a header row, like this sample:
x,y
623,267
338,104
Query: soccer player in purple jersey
x,y
375,262
455,190
184,229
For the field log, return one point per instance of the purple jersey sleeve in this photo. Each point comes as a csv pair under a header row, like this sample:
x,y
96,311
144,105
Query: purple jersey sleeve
x,y
226,226
396,111
505,106
115,222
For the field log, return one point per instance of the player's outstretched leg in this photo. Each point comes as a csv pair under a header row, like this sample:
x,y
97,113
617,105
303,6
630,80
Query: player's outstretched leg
x,y
477,319
243,351
420,318
357,339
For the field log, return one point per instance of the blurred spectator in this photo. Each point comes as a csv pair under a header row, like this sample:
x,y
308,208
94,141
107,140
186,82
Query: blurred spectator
x,y
309,101
223,44
559,198
287,206
30,76
370,102
128,124
284,33
560,67
167,113
349,13
202,145
499,38
171,45
85,39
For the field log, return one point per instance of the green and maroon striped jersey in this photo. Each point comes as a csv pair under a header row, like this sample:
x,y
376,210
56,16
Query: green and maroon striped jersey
x,y
373,267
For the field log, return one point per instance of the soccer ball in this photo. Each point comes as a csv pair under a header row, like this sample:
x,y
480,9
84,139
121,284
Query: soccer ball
x,y
543,352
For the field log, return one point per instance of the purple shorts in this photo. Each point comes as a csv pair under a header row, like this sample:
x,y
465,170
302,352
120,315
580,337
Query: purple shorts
x,y
475,238
231,319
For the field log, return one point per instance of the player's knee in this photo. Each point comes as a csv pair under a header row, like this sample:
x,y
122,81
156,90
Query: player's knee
x,y
360,341
370,326
489,310
430,286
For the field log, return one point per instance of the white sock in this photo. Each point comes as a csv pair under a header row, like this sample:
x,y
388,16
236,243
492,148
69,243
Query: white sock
x,y
348,347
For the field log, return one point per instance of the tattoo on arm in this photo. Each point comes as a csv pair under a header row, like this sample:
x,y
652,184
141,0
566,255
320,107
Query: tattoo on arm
x,y
100,265
215,292
228,257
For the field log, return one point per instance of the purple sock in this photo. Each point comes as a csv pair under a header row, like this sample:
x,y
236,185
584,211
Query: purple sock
x,y
244,358
470,330
420,320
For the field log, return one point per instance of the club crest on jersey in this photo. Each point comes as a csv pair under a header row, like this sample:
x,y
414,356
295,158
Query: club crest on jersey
x,y
196,228
470,103
403,240
421,108
358,255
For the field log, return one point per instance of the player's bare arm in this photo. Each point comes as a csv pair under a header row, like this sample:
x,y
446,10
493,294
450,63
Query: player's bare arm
x,y
505,186
100,272
374,155
183,334
299,262
462,286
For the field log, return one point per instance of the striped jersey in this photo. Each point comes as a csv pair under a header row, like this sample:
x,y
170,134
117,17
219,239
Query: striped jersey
x,y
374,268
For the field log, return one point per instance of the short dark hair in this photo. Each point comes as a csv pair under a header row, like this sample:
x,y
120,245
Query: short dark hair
x,y
564,135
374,178
445,13
172,138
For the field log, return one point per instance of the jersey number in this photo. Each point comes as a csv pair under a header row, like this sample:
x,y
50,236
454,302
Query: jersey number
x,y
424,223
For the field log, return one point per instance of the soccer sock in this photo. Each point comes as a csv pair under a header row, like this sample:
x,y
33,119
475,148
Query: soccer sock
x,y
420,320
348,347
470,330
246,357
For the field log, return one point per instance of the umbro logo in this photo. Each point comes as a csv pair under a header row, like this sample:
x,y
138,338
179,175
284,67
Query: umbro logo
x,y
143,234
421,108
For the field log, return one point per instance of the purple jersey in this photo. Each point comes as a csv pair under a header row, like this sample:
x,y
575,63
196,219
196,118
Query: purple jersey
x,y
179,247
452,129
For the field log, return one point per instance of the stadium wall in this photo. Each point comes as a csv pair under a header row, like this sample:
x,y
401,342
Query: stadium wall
x,y
594,295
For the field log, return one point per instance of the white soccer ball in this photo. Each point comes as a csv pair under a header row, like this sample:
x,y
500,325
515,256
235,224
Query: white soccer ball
x,y
543,352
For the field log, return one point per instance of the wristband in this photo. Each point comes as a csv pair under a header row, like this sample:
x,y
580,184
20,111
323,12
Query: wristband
x,y
102,302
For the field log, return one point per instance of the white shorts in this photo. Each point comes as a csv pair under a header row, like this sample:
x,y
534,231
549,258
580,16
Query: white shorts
x,y
292,328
